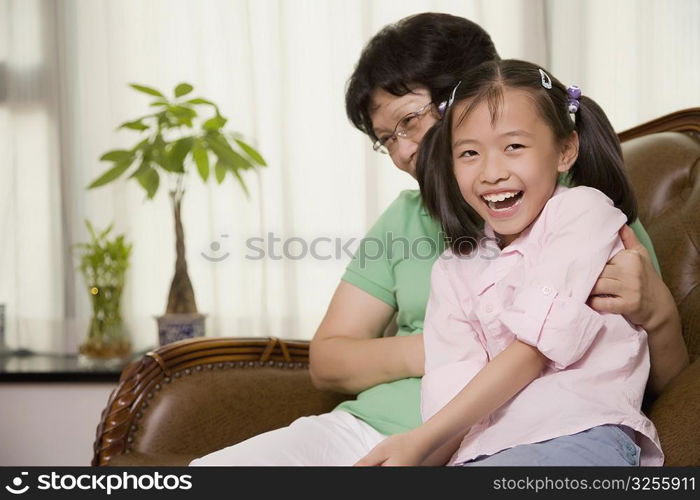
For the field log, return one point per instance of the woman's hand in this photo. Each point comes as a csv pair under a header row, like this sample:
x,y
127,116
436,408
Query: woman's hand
x,y
398,450
630,286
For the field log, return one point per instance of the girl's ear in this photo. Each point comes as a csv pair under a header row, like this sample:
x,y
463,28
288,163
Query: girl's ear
x,y
569,153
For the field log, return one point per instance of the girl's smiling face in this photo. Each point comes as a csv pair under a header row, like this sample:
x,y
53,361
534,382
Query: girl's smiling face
x,y
507,167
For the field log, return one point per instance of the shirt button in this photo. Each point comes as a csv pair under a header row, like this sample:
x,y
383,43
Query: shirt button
x,y
488,308
546,290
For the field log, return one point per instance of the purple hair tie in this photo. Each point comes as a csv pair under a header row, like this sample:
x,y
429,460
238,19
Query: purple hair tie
x,y
574,94
444,105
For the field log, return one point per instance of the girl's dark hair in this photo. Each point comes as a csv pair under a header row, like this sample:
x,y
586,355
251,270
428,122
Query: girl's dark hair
x,y
431,50
599,163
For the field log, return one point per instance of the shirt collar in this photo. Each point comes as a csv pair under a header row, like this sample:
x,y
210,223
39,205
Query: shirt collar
x,y
500,265
517,246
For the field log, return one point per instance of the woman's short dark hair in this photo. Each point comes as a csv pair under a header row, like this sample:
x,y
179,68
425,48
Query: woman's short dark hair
x,y
430,49
599,163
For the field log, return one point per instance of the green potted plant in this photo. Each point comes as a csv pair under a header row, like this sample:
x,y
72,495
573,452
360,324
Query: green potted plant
x,y
103,264
173,140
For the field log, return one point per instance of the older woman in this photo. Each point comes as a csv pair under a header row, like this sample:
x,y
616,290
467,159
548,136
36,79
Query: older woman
x,y
404,73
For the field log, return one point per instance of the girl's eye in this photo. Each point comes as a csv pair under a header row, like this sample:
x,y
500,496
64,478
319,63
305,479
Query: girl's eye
x,y
470,153
513,147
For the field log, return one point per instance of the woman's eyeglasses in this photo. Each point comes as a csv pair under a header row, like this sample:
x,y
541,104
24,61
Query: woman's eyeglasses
x,y
405,128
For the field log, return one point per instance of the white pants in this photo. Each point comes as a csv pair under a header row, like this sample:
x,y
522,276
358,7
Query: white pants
x,y
335,438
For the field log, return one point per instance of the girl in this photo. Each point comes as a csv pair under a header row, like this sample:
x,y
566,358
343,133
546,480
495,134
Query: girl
x,y
518,369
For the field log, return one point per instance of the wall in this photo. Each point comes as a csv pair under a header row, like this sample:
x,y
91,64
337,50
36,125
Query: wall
x,y
50,424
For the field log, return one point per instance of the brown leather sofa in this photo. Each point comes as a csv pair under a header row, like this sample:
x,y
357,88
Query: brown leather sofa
x,y
193,397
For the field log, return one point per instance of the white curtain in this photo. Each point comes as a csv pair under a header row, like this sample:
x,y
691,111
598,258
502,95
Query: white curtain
x,y
277,69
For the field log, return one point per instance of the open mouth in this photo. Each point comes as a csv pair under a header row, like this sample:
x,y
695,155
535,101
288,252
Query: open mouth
x,y
501,202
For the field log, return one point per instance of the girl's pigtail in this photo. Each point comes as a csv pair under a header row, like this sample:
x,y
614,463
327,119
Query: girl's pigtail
x,y
427,170
439,190
600,164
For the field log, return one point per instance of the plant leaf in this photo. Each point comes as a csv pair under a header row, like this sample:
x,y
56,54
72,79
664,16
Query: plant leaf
x,y
214,124
199,100
220,172
225,152
183,114
183,89
182,111
91,230
163,120
104,233
134,125
141,170
178,152
252,152
144,147
110,175
146,90
201,158
158,154
149,180
241,182
117,155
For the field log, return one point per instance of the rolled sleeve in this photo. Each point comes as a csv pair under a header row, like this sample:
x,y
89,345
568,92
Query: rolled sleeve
x,y
561,329
549,310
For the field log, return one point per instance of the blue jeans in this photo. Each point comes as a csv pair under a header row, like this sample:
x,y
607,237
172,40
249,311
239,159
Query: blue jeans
x,y
605,445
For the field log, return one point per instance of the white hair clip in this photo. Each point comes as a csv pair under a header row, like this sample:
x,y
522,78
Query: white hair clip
x,y
444,105
452,95
546,81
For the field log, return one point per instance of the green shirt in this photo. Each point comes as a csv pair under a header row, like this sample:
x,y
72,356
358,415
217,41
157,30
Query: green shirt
x,y
393,263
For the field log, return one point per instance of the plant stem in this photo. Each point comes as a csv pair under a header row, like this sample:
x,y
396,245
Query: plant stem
x,y
181,297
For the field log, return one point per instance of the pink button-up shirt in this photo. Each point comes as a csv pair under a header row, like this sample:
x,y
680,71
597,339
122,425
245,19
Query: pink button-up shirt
x,y
535,290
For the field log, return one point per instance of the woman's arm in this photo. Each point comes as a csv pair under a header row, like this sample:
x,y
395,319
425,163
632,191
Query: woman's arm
x,y
637,291
439,437
348,353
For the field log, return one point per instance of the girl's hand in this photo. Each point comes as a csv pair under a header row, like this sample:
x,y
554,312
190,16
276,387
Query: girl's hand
x,y
629,284
397,450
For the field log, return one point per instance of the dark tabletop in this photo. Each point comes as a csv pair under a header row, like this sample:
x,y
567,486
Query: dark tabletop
x,y
27,366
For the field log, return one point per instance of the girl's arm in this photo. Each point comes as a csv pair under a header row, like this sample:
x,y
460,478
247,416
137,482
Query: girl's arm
x,y
637,291
348,353
439,437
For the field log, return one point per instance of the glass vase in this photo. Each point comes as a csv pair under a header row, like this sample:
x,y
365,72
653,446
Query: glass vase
x,y
107,340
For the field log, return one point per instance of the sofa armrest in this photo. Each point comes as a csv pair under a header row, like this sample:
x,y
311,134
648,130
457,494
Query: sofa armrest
x,y
192,397
675,415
